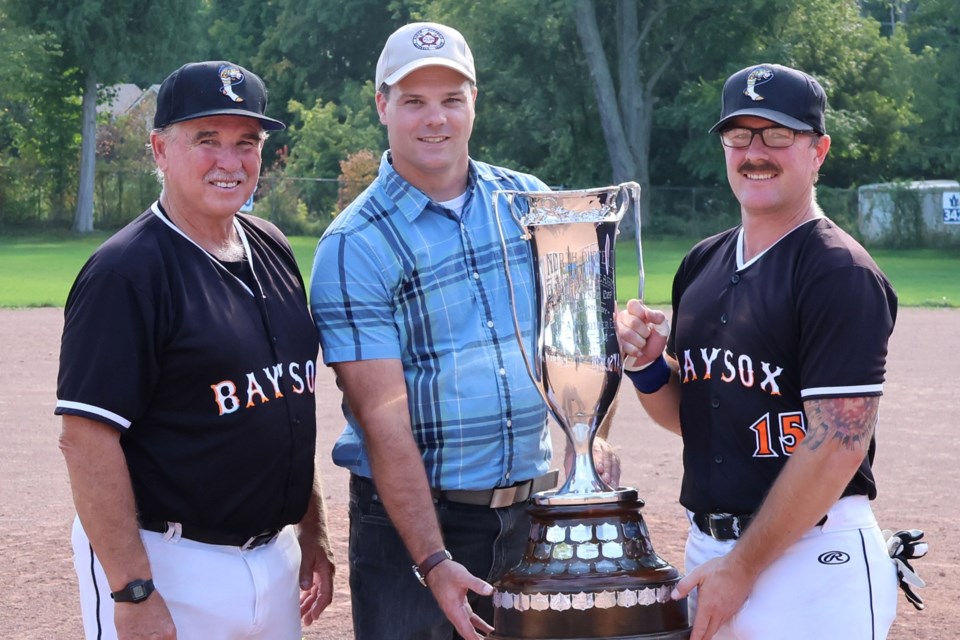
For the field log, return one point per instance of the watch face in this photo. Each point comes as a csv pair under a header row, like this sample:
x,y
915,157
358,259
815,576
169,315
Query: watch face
x,y
136,591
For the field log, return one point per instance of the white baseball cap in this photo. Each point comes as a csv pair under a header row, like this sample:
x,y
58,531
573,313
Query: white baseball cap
x,y
423,44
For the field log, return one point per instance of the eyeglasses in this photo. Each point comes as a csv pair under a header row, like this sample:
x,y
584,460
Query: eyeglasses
x,y
774,137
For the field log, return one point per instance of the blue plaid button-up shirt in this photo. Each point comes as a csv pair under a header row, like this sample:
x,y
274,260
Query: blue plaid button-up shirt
x,y
398,276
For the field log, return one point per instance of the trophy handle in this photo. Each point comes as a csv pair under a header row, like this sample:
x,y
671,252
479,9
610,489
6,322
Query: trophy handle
x,y
531,369
633,197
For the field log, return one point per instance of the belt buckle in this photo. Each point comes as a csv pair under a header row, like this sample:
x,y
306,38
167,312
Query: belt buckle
x,y
719,532
259,540
503,497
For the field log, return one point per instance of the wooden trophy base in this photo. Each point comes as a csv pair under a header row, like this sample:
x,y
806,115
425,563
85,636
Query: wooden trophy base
x,y
589,571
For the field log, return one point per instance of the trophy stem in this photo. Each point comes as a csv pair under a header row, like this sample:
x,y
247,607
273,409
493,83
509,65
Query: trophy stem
x,y
583,485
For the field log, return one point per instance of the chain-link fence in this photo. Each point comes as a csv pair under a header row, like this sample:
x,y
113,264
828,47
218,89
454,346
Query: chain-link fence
x,y
305,206
697,212
121,195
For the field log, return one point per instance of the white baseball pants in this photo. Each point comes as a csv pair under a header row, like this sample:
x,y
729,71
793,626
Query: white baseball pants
x,y
213,592
837,581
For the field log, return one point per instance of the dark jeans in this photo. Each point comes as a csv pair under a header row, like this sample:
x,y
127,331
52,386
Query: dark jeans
x,y
389,603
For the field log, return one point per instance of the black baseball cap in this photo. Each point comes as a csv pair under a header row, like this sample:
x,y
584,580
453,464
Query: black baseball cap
x,y
212,88
783,95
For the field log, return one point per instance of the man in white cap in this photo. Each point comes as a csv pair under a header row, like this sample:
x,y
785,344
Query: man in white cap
x,y
446,435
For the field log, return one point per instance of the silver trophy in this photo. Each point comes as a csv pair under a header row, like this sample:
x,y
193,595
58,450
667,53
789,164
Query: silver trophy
x,y
589,569
576,362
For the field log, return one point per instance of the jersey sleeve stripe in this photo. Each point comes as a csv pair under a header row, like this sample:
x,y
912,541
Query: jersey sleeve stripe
x,y
90,411
855,390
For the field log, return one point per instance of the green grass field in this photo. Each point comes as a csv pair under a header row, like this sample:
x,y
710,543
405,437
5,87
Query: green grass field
x,y
37,272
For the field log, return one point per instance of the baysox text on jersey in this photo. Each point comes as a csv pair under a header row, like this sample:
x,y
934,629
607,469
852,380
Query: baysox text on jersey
x,y
732,367
300,378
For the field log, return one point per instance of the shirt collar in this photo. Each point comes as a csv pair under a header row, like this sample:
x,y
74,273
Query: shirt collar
x,y
412,202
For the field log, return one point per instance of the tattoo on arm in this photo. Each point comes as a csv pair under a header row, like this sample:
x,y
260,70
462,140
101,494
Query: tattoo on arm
x,y
850,421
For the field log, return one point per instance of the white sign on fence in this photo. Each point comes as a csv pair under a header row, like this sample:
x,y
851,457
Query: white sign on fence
x,y
951,207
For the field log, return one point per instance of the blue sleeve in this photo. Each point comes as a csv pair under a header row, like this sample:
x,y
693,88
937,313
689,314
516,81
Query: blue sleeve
x,y
352,299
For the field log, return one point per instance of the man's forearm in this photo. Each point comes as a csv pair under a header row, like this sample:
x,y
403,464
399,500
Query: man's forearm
x,y
104,500
402,486
314,521
376,392
812,480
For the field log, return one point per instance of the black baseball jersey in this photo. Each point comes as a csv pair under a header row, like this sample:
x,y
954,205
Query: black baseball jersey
x,y
209,379
808,318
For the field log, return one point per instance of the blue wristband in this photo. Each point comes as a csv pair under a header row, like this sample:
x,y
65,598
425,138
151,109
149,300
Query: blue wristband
x,y
652,377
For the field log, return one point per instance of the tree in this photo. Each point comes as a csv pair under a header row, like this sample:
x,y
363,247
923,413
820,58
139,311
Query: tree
x,y
866,77
106,40
933,145
328,134
305,50
125,182
891,14
37,118
652,47
533,114
867,80
24,55
356,173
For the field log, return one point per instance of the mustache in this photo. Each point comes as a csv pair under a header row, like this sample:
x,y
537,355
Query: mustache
x,y
749,166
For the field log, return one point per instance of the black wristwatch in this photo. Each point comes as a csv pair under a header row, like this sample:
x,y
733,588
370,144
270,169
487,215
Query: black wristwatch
x,y
135,592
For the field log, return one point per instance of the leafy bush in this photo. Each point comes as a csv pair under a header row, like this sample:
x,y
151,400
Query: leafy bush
x,y
356,173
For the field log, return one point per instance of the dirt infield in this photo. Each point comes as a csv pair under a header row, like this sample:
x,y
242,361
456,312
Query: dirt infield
x,y
917,468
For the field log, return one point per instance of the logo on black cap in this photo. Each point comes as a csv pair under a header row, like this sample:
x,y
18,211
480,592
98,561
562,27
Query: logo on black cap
x,y
790,98
212,88
759,75
230,76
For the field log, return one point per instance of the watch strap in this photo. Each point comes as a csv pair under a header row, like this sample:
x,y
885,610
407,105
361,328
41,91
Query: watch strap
x,y
136,591
429,563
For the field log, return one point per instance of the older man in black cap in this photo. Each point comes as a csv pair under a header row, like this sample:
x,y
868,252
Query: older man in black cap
x,y
773,374
186,388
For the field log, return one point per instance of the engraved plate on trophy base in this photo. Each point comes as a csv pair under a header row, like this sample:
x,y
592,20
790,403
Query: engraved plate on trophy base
x,y
589,571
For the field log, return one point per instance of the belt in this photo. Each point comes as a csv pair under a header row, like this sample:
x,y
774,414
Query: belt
x,y
501,497
722,526
726,526
206,536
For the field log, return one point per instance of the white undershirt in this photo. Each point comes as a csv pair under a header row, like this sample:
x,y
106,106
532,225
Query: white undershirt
x,y
455,205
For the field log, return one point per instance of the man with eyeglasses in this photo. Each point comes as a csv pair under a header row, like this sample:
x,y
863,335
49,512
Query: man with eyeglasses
x,y
772,373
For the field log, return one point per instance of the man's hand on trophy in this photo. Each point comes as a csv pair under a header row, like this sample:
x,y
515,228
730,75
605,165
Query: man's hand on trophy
x,y
450,581
643,334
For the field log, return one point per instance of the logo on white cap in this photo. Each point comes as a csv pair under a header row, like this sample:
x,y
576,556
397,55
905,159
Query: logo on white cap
x,y
428,39
759,75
